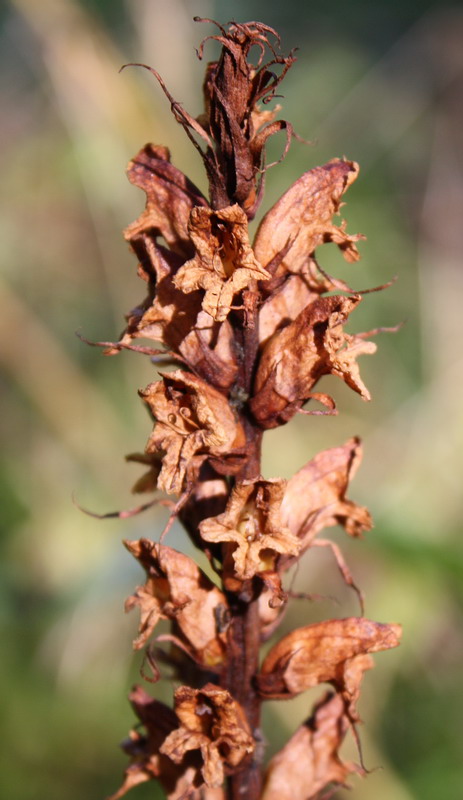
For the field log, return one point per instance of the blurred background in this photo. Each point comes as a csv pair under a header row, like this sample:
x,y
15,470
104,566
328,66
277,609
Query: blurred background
x,y
378,82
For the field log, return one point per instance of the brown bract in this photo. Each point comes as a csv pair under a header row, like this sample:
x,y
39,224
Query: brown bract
x,y
212,722
170,196
294,359
301,219
224,263
252,524
310,761
335,651
147,762
315,497
194,422
177,589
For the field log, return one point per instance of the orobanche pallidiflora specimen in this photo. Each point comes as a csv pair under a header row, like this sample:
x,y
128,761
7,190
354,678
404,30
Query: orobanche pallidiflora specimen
x,y
246,329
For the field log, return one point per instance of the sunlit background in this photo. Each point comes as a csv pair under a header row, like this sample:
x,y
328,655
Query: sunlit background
x,y
378,83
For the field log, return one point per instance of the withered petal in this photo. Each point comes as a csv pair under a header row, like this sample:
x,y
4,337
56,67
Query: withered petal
x,y
214,723
148,763
315,497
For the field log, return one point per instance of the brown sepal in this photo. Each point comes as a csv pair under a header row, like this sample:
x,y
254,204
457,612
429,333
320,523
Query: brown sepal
x,y
149,480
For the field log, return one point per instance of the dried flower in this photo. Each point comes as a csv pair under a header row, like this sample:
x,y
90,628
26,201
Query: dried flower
x,y
193,422
176,589
224,263
252,328
315,497
212,722
252,524
147,762
292,362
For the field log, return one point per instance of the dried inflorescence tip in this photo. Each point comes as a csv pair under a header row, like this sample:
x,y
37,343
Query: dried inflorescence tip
x,y
251,327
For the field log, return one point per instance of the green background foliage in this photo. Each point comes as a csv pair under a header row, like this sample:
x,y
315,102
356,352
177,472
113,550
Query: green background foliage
x,y
380,83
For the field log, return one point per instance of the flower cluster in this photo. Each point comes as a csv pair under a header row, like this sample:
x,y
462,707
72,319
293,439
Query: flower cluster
x,y
249,329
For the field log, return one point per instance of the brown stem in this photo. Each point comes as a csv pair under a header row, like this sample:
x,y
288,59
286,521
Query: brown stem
x,y
244,631
242,665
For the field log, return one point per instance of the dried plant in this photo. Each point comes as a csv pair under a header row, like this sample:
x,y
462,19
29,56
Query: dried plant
x,y
250,329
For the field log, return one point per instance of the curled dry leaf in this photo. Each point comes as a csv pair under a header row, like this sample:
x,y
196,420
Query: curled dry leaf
x,y
252,524
224,263
170,196
315,497
310,761
301,219
177,589
194,422
212,722
147,762
292,362
335,651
